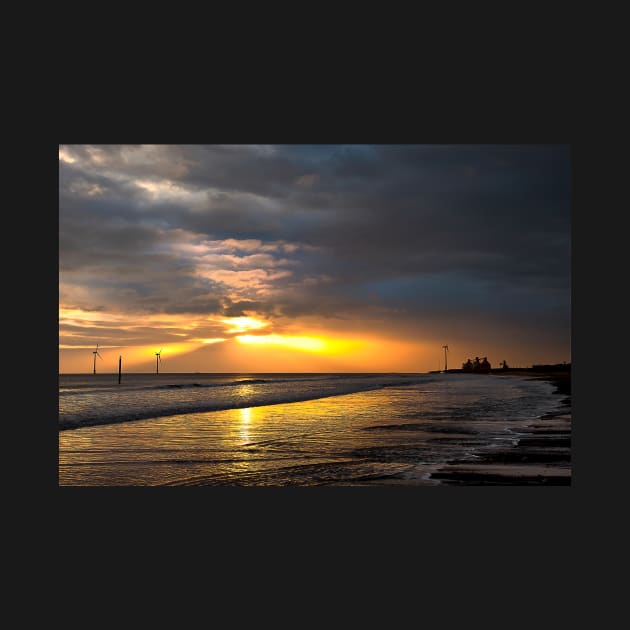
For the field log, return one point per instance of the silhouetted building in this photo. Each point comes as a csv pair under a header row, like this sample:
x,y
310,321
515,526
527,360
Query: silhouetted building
x,y
477,365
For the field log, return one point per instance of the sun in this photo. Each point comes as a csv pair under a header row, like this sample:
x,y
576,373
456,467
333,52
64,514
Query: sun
x,y
243,324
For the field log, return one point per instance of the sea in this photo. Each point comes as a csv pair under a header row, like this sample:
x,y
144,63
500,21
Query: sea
x,y
286,429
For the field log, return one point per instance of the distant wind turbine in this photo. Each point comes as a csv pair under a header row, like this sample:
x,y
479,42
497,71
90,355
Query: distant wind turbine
x,y
96,354
445,360
158,360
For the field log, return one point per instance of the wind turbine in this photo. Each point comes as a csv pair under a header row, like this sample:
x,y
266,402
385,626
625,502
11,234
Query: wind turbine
x,y
96,354
158,360
445,361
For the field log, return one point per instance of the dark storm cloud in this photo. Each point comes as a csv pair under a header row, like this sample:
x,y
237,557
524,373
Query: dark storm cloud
x,y
242,307
421,230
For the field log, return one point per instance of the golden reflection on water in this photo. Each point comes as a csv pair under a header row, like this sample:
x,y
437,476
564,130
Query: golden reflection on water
x,y
246,416
220,444
252,444
244,390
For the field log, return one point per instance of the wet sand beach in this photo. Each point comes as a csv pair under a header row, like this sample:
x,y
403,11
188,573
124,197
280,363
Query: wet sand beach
x,y
445,430
540,456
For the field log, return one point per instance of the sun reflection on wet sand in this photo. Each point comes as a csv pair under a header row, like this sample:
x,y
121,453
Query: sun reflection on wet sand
x,y
393,435
246,416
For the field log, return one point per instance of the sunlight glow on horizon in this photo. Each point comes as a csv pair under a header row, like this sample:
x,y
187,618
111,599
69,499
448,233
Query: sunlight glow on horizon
x,y
200,342
308,344
136,355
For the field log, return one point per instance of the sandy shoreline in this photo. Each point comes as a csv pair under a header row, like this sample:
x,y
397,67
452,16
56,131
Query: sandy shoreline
x,y
305,443
541,455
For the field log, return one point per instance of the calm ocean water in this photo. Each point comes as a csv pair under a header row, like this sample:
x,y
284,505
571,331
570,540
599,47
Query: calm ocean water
x,y
285,429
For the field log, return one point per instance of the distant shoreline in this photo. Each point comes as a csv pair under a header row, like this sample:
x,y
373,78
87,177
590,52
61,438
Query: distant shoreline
x,y
558,374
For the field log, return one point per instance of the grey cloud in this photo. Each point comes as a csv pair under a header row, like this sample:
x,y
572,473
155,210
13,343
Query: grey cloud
x,y
494,217
242,307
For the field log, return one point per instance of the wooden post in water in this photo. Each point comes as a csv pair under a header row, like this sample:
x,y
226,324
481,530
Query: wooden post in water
x,y
119,368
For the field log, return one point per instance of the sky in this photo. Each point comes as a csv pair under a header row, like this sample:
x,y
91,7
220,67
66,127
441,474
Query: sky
x,y
322,258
